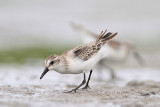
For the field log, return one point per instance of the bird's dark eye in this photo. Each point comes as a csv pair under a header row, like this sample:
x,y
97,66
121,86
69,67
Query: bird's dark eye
x,y
52,62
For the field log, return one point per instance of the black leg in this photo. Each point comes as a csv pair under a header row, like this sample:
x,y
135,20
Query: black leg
x,y
83,82
87,84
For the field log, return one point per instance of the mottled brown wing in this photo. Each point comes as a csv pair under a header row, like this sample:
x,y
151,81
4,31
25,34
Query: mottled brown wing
x,y
85,52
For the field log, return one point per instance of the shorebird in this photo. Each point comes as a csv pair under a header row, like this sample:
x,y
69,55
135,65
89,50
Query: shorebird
x,y
117,52
81,59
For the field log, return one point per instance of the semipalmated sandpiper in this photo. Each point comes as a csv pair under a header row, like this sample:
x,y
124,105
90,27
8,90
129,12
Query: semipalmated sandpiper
x,y
81,59
117,51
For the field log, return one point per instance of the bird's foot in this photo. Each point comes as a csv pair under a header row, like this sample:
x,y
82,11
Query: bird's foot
x,y
72,91
86,87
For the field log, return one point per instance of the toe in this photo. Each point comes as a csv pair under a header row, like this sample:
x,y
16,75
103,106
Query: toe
x,y
72,91
86,87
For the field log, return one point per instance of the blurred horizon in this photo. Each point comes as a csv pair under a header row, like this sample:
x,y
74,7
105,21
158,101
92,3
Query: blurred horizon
x,y
43,24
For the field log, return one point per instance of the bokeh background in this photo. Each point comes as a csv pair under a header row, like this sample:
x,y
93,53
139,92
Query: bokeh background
x,y
31,30
38,28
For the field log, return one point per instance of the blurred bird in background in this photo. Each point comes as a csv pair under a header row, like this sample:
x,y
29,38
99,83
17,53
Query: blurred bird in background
x,y
118,51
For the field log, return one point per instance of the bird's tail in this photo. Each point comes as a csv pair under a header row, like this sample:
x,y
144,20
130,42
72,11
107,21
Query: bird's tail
x,y
133,51
136,55
138,58
105,37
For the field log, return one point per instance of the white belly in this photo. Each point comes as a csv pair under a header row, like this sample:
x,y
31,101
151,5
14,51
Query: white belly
x,y
80,66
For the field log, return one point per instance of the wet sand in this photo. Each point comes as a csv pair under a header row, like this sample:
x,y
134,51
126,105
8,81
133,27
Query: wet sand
x,y
20,86
132,95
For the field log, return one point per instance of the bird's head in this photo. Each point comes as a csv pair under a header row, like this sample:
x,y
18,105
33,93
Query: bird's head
x,y
51,63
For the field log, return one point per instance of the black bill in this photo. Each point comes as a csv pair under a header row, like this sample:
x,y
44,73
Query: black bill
x,y
44,72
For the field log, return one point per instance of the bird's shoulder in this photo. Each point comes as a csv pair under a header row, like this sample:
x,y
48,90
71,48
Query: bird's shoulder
x,y
85,51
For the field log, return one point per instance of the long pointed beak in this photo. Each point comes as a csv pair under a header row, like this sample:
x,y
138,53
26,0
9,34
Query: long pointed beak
x,y
44,72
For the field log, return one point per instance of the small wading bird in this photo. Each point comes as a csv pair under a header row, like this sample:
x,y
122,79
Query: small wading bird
x,y
117,52
81,59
